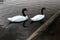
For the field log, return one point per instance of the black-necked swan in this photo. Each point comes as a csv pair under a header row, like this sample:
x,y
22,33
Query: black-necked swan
x,y
38,17
19,18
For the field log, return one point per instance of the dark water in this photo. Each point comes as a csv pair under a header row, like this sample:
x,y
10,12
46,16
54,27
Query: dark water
x,y
52,32
16,31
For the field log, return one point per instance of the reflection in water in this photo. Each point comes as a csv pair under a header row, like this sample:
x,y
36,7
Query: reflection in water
x,y
24,23
22,32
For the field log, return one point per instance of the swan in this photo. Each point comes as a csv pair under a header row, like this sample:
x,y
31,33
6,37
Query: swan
x,y
38,17
19,18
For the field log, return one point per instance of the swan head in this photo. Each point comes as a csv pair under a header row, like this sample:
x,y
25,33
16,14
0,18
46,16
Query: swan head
x,y
43,8
24,9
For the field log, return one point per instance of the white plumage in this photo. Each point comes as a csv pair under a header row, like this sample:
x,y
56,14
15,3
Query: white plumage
x,y
37,17
18,18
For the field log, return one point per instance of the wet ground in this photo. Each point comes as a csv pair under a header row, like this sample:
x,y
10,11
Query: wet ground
x,y
52,32
16,31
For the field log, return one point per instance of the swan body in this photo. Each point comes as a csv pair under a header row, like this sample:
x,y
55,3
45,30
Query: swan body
x,y
18,18
37,17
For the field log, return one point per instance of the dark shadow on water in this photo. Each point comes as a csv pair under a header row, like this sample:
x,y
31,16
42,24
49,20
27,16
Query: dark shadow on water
x,y
51,32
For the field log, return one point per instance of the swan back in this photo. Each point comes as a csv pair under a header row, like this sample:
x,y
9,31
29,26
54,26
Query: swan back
x,y
37,17
18,18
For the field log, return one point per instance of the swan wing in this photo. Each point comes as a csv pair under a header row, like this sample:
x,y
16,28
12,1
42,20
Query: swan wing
x,y
18,18
37,17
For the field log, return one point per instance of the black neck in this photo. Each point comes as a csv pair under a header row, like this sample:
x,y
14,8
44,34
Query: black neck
x,y
42,11
23,13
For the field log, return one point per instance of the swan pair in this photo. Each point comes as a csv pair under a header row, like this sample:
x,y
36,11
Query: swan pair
x,y
24,18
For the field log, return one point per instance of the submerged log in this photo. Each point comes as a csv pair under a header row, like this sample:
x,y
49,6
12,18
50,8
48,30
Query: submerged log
x,y
44,26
